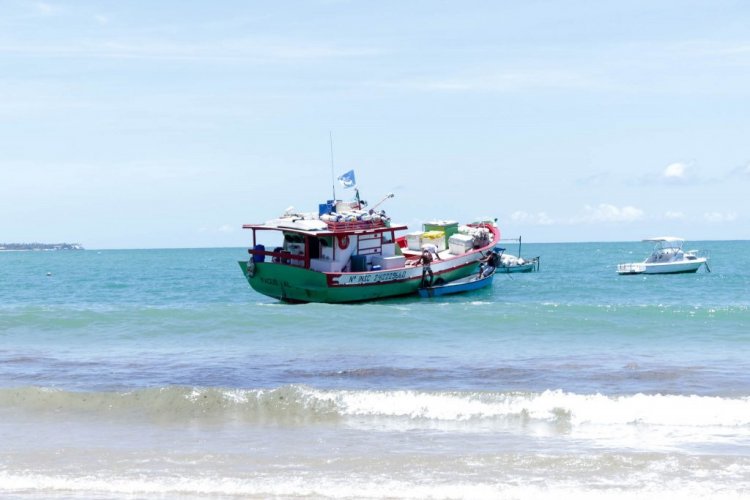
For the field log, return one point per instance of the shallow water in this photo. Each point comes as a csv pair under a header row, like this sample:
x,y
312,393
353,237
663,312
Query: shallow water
x,y
161,373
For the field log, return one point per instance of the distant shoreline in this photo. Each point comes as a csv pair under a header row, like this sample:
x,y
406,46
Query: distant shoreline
x,y
45,247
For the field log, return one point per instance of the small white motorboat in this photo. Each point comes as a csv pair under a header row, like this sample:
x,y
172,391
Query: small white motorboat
x,y
668,257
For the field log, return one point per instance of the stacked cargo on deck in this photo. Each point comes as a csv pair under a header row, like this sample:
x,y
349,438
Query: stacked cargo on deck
x,y
467,238
436,238
460,243
446,227
448,235
414,240
433,233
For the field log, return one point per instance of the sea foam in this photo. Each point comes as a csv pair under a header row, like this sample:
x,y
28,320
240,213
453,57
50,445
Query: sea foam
x,y
453,406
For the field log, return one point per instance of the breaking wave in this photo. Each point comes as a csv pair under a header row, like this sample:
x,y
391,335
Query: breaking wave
x,y
302,403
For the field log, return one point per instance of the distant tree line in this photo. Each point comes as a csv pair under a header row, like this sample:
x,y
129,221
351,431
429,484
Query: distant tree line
x,y
41,246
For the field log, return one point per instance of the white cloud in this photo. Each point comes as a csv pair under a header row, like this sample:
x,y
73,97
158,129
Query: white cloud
x,y
538,219
672,215
676,173
675,170
226,228
741,171
720,216
605,212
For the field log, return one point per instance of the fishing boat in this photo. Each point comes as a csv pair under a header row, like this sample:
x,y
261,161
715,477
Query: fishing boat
x,y
509,263
513,264
346,253
467,284
667,257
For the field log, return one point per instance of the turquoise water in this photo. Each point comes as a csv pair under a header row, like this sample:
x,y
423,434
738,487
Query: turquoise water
x,y
160,372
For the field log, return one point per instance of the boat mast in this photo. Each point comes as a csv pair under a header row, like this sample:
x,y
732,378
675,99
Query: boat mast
x,y
333,181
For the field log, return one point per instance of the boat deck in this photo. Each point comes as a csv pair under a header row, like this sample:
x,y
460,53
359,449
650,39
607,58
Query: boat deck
x,y
415,254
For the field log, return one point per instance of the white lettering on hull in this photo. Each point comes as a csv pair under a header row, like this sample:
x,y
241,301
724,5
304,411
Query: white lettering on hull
x,y
386,276
371,278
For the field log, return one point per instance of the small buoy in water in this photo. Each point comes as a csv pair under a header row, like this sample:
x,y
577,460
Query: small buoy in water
x,y
49,274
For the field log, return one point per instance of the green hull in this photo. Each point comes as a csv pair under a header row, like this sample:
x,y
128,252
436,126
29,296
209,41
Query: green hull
x,y
295,284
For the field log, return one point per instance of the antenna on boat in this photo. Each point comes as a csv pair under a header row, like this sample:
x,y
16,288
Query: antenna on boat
x,y
333,181
389,195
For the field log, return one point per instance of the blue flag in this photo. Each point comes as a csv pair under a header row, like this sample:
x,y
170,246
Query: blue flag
x,y
347,180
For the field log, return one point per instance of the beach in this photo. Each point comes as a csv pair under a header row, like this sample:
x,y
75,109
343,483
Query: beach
x,y
160,373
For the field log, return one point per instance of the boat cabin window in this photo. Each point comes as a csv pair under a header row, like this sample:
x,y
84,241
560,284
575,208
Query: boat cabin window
x,y
316,247
294,244
293,238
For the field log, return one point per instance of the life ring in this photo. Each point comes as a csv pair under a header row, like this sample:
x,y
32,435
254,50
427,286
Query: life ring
x,y
343,241
276,258
251,268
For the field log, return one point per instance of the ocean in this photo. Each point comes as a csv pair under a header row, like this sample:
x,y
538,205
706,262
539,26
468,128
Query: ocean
x,y
162,374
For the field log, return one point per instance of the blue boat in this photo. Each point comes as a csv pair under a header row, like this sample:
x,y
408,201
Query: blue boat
x,y
474,282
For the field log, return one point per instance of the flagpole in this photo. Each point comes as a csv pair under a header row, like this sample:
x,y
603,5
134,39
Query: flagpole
x,y
333,181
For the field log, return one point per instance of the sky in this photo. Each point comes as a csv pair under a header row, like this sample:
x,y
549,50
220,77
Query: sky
x,y
167,124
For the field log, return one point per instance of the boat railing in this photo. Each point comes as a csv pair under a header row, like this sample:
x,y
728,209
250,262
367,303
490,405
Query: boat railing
x,y
355,225
698,253
535,261
282,257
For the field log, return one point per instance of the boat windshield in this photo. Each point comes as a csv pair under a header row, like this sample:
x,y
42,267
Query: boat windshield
x,y
666,251
671,244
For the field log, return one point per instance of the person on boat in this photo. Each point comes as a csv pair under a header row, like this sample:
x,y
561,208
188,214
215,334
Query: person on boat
x,y
432,249
488,263
425,260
